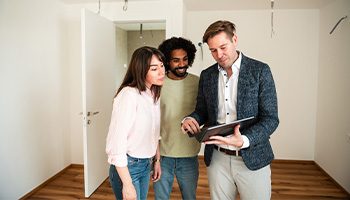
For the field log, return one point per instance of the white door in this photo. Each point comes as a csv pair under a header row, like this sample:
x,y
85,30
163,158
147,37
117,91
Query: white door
x,y
99,86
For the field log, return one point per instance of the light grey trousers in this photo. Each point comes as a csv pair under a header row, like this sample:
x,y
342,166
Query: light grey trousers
x,y
228,176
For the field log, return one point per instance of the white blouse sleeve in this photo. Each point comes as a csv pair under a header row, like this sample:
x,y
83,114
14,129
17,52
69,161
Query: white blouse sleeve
x,y
122,121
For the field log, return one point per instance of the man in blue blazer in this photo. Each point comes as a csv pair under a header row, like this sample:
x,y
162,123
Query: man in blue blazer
x,y
234,88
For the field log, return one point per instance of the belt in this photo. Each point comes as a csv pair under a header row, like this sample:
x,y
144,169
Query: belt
x,y
229,152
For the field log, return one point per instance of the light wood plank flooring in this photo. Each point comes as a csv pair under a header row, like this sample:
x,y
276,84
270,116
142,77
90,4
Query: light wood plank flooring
x,y
290,180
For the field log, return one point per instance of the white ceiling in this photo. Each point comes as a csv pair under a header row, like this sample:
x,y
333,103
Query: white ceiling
x,y
213,5
203,5
95,1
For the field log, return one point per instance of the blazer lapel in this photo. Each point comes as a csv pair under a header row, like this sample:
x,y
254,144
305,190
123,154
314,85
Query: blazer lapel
x,y
214,79
243,83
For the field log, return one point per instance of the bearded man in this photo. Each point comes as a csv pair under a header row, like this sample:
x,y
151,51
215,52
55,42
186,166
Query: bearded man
x,y
178,99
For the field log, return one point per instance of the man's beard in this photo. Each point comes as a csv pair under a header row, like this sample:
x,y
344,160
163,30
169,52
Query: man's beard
x,y
178,74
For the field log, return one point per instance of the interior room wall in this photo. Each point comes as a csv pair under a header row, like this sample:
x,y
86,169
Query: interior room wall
x,y
292,54
75,77
332,147
149,38
122,53
34,82
184,20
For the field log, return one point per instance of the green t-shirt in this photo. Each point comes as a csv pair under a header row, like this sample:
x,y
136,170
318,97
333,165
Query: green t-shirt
x,y
178,99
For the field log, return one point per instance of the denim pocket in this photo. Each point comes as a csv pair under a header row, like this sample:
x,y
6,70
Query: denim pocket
x,y
132,161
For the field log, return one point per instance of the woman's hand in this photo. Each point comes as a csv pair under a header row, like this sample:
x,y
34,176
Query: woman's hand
x,y
156,172
129,192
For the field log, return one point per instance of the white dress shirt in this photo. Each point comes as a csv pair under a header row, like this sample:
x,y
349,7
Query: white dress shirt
x,y
227,98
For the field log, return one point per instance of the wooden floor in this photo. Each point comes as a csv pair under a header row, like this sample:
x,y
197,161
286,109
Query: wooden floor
x,y
290,180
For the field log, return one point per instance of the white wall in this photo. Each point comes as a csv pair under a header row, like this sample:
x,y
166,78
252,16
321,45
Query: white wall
x,y
332,150
75,77
149,38
34,82
184,23
292,54
122,52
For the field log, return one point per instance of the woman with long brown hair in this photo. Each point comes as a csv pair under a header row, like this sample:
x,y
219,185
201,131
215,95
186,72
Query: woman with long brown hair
x,y
133,135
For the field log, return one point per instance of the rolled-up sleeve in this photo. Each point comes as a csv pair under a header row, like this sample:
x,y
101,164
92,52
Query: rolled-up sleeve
x,y
122,121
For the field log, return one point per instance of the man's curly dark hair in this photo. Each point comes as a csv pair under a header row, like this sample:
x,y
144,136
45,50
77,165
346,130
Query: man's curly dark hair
x,y
177,43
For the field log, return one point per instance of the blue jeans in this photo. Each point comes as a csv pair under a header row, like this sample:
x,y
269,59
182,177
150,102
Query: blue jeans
x,y
186,171
139,169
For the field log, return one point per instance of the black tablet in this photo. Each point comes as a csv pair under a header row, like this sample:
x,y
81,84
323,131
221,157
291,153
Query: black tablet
x,y
222,129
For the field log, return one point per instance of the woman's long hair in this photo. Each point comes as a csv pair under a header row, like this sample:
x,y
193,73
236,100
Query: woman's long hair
x,y
138,68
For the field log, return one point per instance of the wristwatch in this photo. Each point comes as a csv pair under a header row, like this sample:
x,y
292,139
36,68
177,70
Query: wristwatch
x,y
157,160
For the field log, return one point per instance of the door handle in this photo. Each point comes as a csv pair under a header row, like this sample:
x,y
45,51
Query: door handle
x,y
90,113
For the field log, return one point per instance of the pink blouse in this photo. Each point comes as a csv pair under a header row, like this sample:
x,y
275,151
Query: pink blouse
x,y
135,126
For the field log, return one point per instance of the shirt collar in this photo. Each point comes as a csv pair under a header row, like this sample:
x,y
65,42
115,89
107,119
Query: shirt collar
x,y
148,92
236,64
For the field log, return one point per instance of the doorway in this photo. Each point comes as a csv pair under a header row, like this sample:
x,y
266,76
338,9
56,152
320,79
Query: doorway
x,y
131,35
105,48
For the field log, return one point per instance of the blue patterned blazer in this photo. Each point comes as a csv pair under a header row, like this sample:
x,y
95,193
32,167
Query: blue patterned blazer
x,y
256,97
